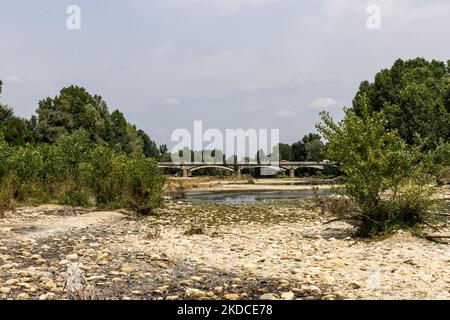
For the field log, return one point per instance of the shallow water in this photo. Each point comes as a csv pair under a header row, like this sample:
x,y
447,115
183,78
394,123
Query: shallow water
x,y
250,197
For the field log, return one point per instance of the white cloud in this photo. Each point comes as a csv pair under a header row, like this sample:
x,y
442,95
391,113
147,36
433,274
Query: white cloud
x,y
172,101
322,103
284,113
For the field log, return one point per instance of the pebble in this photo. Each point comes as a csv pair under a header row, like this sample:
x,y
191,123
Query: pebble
x,y
127,269
288,295
72,257
231,296
5,290
195,293
269,296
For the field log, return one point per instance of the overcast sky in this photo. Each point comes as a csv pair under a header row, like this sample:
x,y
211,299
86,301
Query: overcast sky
x,y
230,63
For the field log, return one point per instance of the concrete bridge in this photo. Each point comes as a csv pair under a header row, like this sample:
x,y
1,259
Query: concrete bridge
x,y
236,168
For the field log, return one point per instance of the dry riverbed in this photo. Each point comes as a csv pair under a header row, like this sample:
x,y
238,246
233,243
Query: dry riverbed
x,y
272,251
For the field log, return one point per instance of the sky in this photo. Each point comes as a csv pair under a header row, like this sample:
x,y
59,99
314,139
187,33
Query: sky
x,y
262,64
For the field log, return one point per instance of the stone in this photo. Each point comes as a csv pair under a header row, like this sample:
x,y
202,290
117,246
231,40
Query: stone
x,y
11,282
236,280
172,298
218,289
64,262
250,266
96,278
47,296
47,283
288,295
353,285
315,291
197,279
195,293
72,257
231,296
127,269
186,282
22,296
155,257
5,290
269,296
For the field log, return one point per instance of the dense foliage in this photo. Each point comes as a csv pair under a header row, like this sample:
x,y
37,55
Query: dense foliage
x,y
385,177
414,95
76,152
76,171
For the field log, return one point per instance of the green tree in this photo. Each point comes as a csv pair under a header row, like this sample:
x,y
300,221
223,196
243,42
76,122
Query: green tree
x,y
383,177
415,97
150,148
285,152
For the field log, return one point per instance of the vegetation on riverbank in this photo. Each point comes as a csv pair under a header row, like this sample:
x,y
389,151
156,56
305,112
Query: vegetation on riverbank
x,y
392,169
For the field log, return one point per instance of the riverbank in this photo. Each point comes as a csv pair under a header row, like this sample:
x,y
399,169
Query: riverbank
x,y
281,250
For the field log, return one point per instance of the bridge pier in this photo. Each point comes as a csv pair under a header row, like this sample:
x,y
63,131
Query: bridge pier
x,y
185,173
238,172
291,173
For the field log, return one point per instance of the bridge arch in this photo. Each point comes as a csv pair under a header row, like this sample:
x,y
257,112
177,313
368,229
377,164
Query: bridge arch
x,y
212,166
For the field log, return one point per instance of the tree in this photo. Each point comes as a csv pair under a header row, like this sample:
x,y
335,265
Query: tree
x,y
150,148
298,151
15,130
415,97
309,148
383,176
314,150
74,108
285,152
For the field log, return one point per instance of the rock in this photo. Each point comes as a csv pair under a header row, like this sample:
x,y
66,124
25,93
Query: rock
x,y
353,286
195,293
172,298
22,296
127,269
218,289
5,290
96,278
288,295
269,296
186,282
64,262
11,282
284,283
72,257
47,283
155,257
236,280
197,279
47,296
250,266
103,256
137,293
231,296
315,291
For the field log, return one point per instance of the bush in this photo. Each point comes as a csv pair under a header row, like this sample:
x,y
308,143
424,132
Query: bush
x,y
384,177
74,170
142,183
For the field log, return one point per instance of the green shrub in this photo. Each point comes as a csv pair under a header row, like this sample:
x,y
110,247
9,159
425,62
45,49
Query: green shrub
x,y
73,170
384,176
141,181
